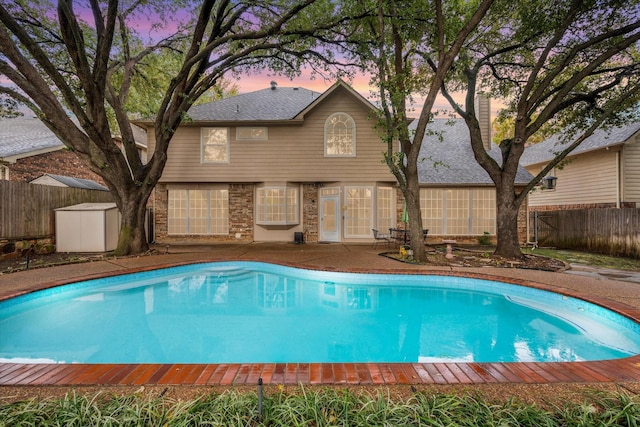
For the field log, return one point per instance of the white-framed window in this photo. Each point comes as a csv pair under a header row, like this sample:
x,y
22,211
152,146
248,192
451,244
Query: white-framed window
x,y
4,173
457,211
483,213
198,211
277,205
252,134
385,208
340,136
359,211
432,210
214,143
461,211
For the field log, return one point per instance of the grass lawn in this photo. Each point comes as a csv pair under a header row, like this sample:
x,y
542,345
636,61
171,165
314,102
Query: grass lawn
x,y
596,260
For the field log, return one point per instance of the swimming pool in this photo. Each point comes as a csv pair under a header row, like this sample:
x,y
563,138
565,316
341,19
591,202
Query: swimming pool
x,y
248,312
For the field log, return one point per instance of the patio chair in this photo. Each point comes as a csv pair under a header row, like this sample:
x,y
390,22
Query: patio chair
x,y
377,236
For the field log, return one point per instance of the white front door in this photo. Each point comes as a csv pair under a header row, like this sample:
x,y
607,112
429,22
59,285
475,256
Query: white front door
x,y
330,218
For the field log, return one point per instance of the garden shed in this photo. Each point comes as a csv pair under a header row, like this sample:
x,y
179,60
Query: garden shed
x,y
87,227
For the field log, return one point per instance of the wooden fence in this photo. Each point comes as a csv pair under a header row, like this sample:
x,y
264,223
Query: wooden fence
x,y
27,210
606,231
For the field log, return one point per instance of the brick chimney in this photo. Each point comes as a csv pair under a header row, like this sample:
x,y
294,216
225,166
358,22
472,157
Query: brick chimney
x,y
483,113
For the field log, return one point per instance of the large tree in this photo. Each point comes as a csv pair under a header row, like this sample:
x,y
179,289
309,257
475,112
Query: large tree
x,y
75,70
395,46
572,65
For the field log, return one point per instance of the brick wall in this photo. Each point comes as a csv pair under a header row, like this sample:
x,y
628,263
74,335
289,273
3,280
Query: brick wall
x,y
61,162
549,208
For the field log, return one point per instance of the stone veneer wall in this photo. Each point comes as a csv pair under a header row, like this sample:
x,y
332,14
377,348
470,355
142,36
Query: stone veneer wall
x,y
310,216
241,212
10,249
160,212
522,223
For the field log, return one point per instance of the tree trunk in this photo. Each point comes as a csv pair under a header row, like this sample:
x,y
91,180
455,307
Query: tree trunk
x,y
507,208
412,199
133,208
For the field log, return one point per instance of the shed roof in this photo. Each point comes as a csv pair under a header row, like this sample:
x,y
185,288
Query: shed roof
x,y
72,182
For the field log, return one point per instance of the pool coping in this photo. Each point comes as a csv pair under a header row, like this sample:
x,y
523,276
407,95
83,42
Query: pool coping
x,y
236,374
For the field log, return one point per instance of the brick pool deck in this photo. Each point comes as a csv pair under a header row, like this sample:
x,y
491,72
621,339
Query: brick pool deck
x,y
622,297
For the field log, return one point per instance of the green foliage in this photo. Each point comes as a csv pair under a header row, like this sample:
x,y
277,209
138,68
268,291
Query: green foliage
x,y
9,107
484,239
320,407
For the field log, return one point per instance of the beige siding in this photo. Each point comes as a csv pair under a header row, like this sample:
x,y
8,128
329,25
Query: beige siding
x,y
292,153
631,170
587,179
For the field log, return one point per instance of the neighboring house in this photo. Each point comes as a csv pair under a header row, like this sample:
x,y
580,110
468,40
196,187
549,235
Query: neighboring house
x,y
67,181
28,150
603,172
265,165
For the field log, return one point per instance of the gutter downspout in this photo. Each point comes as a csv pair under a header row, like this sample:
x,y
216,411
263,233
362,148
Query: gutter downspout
x,y
618,180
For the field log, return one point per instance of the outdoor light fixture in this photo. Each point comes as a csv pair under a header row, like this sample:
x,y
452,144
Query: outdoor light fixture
x,y
549,182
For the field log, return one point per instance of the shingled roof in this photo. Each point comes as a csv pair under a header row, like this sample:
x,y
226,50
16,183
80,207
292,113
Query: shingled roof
x,y
25,136
21,136
446,157
544,151
272,104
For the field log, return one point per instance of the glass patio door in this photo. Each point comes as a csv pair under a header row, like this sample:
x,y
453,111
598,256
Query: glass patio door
x,y
329,217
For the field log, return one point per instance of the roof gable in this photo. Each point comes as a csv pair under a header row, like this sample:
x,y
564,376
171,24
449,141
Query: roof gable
x,y
272,104
340,84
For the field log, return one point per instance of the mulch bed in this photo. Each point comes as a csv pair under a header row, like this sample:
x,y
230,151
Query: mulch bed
x,y
480,257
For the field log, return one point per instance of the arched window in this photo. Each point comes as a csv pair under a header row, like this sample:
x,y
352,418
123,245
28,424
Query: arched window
x,y
340,136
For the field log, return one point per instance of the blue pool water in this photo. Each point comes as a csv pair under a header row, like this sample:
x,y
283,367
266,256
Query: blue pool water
x,y
241,312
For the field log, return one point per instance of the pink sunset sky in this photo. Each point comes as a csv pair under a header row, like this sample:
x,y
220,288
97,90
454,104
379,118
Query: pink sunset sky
x,y
145,26
253,82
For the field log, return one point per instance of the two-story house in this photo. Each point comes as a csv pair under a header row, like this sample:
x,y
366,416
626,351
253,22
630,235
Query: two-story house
x,y
264,165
